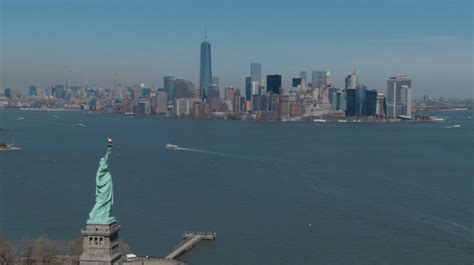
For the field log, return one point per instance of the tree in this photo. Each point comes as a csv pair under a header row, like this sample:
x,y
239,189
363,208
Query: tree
x,y
45,250
25,251
124,247
7,252
75,250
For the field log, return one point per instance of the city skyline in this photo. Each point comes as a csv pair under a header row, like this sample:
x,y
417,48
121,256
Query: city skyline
x,y
437,55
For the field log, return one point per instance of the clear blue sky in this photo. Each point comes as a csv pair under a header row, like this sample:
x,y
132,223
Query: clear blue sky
x,y
50,41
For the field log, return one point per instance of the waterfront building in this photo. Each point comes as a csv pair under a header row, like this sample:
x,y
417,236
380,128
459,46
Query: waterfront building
x,y
236,101
248,88
33,92
205,70
381,107
360,100
371,102
296,109
350,102
256,72
144,107
168,85
285,106
161,101
274,83
399,93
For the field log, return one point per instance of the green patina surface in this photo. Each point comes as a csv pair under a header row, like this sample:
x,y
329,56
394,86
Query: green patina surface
x,y
104,193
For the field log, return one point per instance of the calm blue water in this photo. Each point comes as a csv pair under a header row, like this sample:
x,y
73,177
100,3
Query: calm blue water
x,y
275,193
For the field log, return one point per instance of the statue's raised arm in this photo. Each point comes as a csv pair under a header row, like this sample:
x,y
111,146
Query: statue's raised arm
x,y
109,149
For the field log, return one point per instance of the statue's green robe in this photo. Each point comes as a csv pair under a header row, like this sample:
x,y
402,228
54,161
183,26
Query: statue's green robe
x,y
104,194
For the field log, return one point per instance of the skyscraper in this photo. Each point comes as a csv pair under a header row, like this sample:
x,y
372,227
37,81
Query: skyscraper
x,y
248,88
161,101
371,102
352,80
33,91
168,85
360,100
256,72
205,70
274,83
296,82
350,102
318,79
7,92
398,96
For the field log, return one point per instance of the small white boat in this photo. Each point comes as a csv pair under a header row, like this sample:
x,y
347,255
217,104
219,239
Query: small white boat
x,y
319,120
457,126
80,125
341,120
171,146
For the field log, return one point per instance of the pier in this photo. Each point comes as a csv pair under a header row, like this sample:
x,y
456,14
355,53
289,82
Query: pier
x,y
189,240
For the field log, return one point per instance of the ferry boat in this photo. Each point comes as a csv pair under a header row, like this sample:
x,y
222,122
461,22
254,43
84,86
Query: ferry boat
x,y
319,120
429,119
171,146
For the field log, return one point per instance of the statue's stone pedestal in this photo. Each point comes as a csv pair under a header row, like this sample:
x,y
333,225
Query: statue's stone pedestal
x,y
100,245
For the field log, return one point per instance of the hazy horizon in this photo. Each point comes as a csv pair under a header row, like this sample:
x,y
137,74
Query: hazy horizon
x,y
49,42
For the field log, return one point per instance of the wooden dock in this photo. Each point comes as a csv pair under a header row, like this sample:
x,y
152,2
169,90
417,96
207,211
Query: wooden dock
x,y
189,240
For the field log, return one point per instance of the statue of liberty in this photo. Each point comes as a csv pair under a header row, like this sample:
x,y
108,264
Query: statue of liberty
x,y
104,192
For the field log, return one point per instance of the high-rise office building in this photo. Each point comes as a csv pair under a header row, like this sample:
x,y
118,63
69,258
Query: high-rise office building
x,y
214,91
205,70
381,107
214,88
296,82
215,80
248,88
168,85
398,97
274,83
161,101
352,80
256,72
7,92
33,92
371,102
360,100
58,91
182,89
229,93
318,79
303,75
350,102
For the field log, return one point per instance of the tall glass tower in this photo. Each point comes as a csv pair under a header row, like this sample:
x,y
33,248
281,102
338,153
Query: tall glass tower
x,y
205,71
256,72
